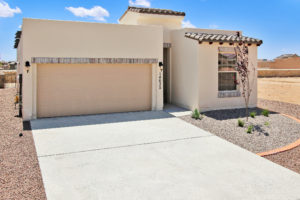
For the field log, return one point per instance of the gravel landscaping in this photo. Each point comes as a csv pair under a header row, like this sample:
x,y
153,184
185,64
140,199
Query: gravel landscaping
x,y
269,132
20,176
281,107
289,159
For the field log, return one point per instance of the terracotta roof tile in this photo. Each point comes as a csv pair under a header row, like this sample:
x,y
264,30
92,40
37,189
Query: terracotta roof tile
x,y
155,11
210,37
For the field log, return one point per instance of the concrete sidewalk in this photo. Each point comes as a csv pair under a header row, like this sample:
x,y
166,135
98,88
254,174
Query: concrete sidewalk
x,y
151,155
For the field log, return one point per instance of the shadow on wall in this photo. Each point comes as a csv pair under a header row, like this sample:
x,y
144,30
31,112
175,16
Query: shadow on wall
x,y
84,120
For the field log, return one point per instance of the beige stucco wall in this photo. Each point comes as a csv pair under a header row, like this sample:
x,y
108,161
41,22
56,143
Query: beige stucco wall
x,y
184,71
208,80
130,18
20,57
77,89
49,38
168,22
193,67
195,73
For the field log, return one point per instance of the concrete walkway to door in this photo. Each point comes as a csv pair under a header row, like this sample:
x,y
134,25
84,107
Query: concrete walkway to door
x,y
151,155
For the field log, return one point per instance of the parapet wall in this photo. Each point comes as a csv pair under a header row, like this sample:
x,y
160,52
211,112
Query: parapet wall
x,y
283,63
278,73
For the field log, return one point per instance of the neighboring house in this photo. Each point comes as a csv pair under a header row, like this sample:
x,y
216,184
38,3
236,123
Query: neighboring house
x,y
12,65
5,66
285,61
146,61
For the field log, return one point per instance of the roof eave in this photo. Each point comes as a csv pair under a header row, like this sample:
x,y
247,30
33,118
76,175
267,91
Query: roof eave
x,y
176,13
258,43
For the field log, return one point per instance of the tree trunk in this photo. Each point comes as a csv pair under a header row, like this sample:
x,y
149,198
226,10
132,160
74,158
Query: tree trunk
x,y
248,96
247,113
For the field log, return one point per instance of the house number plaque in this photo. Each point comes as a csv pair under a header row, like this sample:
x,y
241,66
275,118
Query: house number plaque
x,y
159,80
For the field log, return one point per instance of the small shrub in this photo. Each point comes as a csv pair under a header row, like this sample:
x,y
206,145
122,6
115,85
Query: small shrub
x,y
265,113
196,114
267,123
250,129
253,114
241,123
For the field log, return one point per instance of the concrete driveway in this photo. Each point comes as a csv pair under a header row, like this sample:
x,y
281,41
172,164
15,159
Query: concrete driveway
x,y
151,155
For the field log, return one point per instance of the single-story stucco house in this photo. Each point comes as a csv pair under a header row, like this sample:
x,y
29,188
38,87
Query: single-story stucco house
x,y
142,63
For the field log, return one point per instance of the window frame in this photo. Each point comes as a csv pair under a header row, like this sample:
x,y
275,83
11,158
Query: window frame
x,y
236,73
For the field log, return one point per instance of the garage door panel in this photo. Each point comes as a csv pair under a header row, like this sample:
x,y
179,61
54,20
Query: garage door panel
x,y
74,89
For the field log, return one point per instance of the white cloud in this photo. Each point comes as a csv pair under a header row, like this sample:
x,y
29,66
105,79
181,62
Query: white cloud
x,y
6,11
97,12
20,26
287,50
187,24
213,26
143,3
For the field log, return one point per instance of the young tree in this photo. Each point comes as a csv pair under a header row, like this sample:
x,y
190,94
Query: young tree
x,y
246,72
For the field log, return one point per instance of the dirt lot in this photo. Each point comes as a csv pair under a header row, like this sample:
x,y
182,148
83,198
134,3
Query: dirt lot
x,y
20,176
289,159
280,89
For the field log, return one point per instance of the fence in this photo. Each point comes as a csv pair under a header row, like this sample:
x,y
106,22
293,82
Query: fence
x,y
10,77
7,78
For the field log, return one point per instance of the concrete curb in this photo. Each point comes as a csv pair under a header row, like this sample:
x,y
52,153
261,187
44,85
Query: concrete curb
x,y
285,148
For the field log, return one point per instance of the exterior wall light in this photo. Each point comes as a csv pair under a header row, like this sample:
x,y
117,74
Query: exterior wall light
x,y
27,65
161,65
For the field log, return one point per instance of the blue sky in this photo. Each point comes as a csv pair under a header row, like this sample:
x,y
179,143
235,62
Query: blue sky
x,y
276,22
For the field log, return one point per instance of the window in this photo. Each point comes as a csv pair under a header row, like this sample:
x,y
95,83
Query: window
x,y
227,74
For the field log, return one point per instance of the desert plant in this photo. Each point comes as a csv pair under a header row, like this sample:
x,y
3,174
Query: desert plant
x,y
245,71
241,123
265,113
250,129
267,123
196,114
253,114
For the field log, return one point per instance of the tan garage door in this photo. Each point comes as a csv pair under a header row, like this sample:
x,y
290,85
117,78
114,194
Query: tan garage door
x,y
78,89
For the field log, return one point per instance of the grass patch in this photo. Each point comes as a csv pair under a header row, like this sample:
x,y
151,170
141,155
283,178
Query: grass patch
x,y
265,113
253,114
267,123
241,123
250,129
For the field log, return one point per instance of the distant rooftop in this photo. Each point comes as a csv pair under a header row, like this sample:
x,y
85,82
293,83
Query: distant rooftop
x,y
153,11
286,56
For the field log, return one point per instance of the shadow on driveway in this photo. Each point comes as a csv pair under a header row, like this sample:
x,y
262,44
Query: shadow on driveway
x,y
83,120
